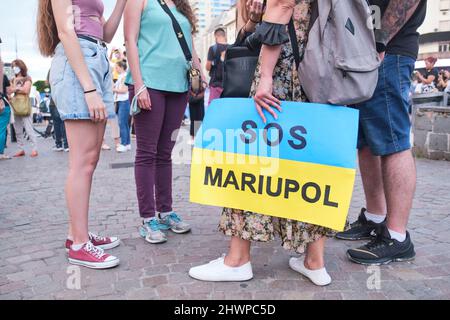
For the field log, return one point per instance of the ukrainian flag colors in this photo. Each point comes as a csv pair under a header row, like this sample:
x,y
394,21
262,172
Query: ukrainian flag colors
x,y
300,167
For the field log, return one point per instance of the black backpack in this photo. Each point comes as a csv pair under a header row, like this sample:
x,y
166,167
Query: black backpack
x,y
218,65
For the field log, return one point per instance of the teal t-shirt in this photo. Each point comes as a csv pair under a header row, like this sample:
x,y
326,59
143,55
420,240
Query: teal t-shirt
x,y
163,64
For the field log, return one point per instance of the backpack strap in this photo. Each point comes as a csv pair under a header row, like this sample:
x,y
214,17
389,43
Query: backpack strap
x,y
294,42
178,31
314,14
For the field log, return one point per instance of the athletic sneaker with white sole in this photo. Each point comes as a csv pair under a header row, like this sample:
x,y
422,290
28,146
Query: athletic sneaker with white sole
x,y
218,271
174,222
105,243
121,148
152,232
92,257
319,277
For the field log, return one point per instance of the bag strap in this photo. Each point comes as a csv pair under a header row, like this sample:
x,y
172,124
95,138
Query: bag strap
x,y
178,31
294,42
314,14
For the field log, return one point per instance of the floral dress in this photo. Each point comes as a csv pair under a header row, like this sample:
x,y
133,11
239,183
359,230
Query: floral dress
x,y
252,226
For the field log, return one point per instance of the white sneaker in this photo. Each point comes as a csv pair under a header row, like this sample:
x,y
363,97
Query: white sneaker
x,y
128,147
217,271
58,149
319,277
121,148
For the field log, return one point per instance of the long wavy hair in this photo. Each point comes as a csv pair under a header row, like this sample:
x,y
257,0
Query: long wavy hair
x,y
185,8
46,29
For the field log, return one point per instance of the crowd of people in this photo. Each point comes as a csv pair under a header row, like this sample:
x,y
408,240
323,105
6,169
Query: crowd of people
x,y
43,109
150,82
431,79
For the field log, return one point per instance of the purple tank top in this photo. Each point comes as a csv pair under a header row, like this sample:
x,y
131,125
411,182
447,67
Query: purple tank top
x,y
88,17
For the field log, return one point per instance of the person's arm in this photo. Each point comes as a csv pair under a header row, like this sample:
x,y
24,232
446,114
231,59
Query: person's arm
x,y
25,89
122,89
397,14
209,60
264,98
279,12
428,80
71,44
132,26
196,62
255,9
110,26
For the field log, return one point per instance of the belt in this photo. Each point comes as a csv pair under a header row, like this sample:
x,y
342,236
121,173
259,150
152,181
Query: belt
x,y
87,38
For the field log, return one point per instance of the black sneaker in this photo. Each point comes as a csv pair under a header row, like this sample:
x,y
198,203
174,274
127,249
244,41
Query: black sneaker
x,y
361,229
383,250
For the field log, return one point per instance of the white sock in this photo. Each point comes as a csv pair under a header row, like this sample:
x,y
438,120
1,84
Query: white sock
x,y
146,220
77,247
162,215
400,237
377,218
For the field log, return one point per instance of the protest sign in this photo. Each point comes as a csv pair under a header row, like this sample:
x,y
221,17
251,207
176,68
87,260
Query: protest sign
x,y
300,167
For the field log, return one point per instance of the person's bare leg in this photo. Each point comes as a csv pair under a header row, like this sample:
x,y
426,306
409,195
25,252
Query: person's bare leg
x,y
399,176
239,252
372,179
85,140
315,251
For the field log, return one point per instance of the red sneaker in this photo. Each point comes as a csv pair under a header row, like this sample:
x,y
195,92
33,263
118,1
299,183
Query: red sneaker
x,y
104,243
92,257
19,154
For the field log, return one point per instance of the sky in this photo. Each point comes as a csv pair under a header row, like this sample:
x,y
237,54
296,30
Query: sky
x,y
18,20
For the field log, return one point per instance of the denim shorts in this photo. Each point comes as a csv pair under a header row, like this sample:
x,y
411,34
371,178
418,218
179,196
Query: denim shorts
x,y
66,88
384,124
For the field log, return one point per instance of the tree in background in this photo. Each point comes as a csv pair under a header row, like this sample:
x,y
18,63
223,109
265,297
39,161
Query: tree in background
x,y
41,85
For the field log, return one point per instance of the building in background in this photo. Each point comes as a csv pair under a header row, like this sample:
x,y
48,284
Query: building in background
x,y
208,10
435,31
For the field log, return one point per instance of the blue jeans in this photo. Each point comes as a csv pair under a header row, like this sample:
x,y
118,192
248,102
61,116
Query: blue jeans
x,y
60,129
4,121
123,112
384,124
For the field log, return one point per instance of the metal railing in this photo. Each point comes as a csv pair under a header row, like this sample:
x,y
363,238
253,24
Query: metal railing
x,y
438,99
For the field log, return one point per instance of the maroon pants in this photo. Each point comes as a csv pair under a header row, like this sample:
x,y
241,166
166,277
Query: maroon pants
x,y
153,166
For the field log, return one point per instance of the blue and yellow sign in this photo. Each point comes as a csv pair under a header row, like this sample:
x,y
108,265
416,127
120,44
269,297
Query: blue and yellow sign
x,y
300,167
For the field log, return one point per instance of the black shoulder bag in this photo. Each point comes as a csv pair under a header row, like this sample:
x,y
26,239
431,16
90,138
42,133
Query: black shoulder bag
x,y
194,75
240,66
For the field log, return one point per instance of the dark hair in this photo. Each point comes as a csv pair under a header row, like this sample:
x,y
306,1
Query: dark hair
x,y
122,64
23,67
220,31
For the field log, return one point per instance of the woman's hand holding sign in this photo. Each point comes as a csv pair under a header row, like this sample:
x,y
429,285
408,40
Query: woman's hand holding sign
x,y
264,99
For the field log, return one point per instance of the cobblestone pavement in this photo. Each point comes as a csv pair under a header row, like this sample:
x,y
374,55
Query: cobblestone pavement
x,y
33,226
